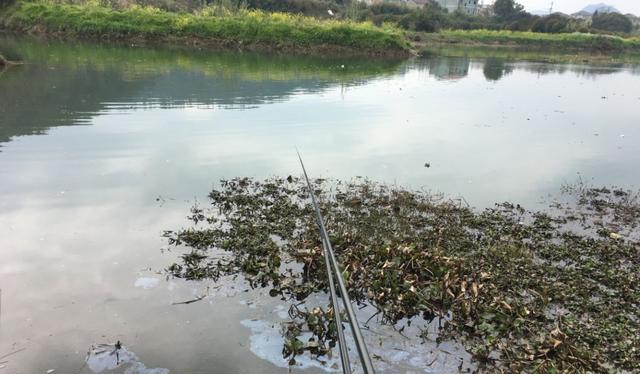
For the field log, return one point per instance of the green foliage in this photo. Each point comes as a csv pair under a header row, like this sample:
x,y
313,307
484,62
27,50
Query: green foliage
x,y
430,19
614,22
506,10
523,23
460,20
315,8
231,20
379,14
242,26
554,23
390,8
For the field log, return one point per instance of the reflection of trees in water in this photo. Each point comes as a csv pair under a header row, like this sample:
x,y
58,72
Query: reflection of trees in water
x,y
448,68
496,68
454,68
35,98
68,84
587,71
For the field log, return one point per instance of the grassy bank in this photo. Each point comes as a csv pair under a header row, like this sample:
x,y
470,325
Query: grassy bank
x,y
568,42
258,30
243,29
522,53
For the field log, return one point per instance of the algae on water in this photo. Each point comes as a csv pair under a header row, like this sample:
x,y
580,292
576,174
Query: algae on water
x,y
521,290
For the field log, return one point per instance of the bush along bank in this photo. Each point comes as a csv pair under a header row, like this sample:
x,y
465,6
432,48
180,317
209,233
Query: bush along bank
x,y
245,29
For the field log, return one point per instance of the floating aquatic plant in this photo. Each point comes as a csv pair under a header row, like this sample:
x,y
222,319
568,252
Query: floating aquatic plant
x,y
523,291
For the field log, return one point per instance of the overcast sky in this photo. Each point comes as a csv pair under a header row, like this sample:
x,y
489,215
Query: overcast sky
x,y
572,6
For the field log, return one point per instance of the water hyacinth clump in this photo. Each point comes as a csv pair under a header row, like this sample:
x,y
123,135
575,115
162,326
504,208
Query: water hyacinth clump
x,y
521,290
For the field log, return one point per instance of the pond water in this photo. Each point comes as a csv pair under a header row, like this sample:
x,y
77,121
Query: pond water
x,y
104,147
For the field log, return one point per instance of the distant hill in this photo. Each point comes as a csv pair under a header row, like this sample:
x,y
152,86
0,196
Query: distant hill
x,y
600,8
582,14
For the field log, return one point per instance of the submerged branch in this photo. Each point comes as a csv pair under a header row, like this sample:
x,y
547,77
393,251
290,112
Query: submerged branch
x,y
190,301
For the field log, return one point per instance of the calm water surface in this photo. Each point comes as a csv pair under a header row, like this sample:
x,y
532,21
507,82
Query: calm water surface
x,y
103,147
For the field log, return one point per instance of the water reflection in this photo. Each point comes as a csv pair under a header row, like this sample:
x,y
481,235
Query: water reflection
x,y
70,83
380,113
119,127
495,69
448,68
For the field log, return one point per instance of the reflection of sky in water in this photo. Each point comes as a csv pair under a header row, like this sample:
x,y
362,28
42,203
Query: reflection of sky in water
x,y
517,138
79,220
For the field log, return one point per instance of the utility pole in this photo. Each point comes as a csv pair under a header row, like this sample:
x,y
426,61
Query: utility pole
x,y
551,8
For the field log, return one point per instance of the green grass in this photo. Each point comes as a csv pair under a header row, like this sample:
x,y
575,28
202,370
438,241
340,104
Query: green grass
x,y
253,27
524,53
592,42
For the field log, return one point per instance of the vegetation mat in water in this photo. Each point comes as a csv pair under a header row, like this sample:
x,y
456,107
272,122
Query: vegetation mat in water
x,y
521,290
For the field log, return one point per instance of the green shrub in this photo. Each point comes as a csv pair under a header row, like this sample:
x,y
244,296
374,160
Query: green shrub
x,y
463,21
315,8
4,3
524,23
554,23
507,10
614,22
430,18
390,8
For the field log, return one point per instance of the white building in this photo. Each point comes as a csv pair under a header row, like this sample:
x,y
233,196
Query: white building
x,y
468,6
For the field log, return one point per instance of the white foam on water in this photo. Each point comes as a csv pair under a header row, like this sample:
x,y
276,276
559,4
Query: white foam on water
x,y
267,341
391,352
140,368
281,311
147,282
103,358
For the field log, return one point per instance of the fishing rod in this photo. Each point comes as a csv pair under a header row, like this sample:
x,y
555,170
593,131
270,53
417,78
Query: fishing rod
x,y
331,263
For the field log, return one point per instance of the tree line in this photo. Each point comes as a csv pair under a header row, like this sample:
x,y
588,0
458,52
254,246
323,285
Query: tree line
x,y
503,15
